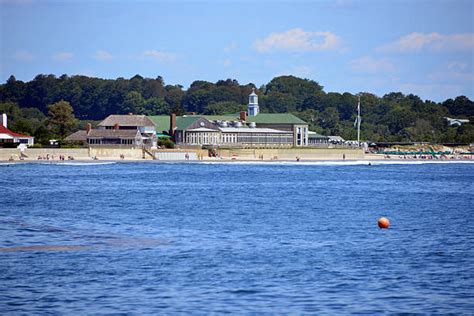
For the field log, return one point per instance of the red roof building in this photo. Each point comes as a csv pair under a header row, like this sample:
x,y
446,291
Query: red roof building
x,y
7,136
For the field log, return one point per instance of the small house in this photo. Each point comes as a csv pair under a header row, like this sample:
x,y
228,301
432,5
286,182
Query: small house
x,y
9,137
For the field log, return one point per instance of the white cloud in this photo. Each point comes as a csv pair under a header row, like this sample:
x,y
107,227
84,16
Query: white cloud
x,y
226,62
24,55
103,55
63,56
297,40
416,42
159,56
453,71
457,65
231,47
368,64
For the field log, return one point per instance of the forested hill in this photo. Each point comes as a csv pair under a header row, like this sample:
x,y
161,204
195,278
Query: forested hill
x,y
393,117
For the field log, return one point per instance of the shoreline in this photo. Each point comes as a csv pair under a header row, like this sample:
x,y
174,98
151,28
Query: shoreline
x,y
84,162
293,155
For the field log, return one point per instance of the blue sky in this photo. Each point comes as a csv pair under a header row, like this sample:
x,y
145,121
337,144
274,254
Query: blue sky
x,y
420,47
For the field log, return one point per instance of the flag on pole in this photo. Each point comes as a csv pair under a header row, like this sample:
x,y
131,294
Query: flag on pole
x,y
357,121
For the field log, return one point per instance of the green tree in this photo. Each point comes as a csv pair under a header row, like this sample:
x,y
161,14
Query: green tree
x,y
196,101
279,102
156,106
174,96
224,107
329,118
42,135
61,119
133,103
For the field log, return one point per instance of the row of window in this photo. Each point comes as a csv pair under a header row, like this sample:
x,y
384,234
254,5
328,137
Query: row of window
x,y
202,138
93,141
10,140
258,138
105,141
266,139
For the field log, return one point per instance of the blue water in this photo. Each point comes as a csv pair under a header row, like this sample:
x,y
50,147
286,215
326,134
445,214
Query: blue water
x,y
147,238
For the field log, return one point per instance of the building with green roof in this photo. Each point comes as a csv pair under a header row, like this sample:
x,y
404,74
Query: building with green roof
x,y
250,128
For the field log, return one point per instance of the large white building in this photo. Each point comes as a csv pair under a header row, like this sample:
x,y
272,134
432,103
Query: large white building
x,y
244,129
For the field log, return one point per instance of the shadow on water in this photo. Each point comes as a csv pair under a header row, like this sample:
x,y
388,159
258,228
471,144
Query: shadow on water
x,y
90,240
44,248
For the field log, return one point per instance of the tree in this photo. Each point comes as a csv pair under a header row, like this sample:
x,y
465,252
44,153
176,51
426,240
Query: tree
x,y
42,135
279,102
133,103
461,106
329,118
394,116
298,87
156,106
61,118
174,96
196,101
13,91
223,108
298,90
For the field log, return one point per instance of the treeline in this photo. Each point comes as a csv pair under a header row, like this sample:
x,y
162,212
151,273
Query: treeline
x,y
393,117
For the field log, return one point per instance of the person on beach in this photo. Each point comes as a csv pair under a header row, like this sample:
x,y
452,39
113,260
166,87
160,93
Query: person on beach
x,y
343,156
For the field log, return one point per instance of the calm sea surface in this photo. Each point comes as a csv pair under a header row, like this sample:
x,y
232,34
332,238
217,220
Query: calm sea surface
x,y
239,238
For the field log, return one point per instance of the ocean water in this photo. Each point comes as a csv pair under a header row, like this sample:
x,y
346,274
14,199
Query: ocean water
x,y
153,238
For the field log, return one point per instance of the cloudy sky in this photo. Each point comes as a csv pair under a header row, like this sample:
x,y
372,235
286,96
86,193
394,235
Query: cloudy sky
x,y
412,46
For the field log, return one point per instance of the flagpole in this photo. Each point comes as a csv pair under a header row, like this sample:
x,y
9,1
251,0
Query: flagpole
x,y
358,122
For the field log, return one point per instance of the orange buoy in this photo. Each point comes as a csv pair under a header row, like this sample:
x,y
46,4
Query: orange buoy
x,y
383,223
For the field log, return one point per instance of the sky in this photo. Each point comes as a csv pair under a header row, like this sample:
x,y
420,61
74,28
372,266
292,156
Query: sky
x,y
414,46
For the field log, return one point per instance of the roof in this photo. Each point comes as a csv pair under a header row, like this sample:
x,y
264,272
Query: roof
x,y
160,135
262,118
77,136
252,130
225,117
275,118
312,134
113,133
4,130
336,138
202,129
162,122
127,120
182,122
